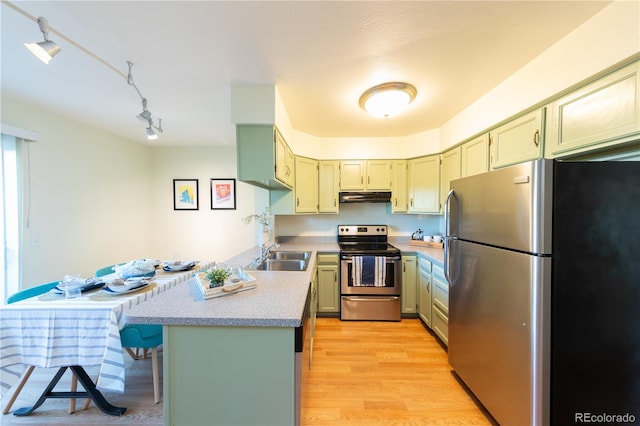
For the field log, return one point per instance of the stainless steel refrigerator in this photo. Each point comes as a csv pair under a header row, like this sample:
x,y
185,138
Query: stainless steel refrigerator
x,y
543,263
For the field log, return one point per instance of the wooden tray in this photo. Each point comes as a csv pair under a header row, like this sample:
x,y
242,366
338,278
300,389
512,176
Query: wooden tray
x,y
248,283
425,244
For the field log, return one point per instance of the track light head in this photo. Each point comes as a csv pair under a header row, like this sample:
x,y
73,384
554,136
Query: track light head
x,y
47,49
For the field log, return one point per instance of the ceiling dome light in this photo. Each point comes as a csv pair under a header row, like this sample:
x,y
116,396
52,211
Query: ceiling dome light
x,y
387,99
47,49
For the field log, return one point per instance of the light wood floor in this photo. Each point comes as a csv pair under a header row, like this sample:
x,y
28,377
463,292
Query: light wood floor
x,y
363,373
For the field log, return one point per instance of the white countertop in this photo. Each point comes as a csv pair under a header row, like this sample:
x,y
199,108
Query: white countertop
x,y
278,300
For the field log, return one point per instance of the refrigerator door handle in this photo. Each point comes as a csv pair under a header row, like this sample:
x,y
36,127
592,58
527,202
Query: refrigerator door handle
x,y
447,233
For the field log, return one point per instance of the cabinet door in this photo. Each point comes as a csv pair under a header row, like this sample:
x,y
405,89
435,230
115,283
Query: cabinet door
x,y
399,186
409,304
352,174
329,186
440,304
424,178
328,285
378,175
518,141
424,291
449,170
475,156
306,188
605,112
284,161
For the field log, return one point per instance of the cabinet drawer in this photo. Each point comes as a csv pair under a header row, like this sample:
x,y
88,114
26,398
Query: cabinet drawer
x,y
327,258
424,264
440,325
441,296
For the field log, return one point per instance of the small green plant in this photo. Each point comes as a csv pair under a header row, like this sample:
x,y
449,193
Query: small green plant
x,y
217,276
262,218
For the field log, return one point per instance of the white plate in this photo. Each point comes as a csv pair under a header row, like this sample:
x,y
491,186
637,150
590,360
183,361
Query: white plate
x,y
115,290
178,266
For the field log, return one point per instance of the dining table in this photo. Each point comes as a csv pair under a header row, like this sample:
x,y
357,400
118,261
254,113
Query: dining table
x,y
51,331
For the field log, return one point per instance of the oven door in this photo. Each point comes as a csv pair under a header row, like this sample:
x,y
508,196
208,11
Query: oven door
x,y
392,284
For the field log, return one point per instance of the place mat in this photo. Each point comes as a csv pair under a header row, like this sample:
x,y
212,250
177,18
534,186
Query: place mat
x,y
102,296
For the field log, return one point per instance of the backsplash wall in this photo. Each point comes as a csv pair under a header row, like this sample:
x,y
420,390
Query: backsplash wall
x,y
357,213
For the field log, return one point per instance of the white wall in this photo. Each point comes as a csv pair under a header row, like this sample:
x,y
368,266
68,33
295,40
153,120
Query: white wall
x,y
88,199
325,225
97,199
204,234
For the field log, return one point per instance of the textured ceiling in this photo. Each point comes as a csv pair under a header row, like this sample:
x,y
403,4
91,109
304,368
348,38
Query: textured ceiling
x,y
321,55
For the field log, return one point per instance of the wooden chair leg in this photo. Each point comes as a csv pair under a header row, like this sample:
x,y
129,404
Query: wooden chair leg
x,y
23,380
74,387
156,375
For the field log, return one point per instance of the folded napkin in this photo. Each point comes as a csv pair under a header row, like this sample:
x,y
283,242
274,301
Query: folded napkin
x,y
179,265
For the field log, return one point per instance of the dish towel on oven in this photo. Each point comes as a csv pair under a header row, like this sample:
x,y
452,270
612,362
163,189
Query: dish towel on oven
x,y
369,271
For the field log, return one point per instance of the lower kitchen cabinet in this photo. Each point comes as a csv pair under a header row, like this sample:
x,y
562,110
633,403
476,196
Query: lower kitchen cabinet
x,y
440,304
424,291
328,283
409,304
313,310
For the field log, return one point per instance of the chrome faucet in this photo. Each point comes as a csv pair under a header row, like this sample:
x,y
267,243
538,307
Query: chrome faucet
x,y
265,251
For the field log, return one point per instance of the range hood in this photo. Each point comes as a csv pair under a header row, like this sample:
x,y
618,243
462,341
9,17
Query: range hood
x,y
365,197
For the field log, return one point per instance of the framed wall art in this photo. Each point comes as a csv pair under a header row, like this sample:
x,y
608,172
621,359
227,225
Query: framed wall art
x,y
223,194
185,194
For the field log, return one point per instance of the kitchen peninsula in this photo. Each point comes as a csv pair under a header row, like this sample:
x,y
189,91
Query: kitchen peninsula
x,y
231,360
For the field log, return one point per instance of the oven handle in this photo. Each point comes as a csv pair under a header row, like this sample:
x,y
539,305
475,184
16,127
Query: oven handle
x,y
366,299
389,259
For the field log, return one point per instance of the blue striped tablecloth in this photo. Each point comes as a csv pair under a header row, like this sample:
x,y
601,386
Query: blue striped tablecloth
x,y
51,331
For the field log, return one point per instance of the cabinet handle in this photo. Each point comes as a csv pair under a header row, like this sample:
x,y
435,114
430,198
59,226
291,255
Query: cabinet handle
x,y
536,138
404,267
335,277
395,202
361,180
297,202
411,201
368,179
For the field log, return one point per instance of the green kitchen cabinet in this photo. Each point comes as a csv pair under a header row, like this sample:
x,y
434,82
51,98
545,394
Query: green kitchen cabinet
x,y
306,185
264,158
328,186
440,304
399,186
424,184
304,196
601,114
519,140
424,291
409,303
328,283
474,156
313,310
449,170
365,175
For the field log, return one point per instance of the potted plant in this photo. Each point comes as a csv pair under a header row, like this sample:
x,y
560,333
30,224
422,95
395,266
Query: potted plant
x,y
216,276
264,219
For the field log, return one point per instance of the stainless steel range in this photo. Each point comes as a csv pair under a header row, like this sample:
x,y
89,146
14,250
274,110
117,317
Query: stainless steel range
x,y
370,274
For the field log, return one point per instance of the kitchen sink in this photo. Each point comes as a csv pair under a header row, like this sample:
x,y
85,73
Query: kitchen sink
x,y
280,265
289,255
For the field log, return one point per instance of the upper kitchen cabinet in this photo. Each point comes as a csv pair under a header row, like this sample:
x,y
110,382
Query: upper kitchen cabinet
x,y
399,186
329,186
517,141
474,156
306,185
284,168
365,175
424,184
264,158
449,170
304,197
603,113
